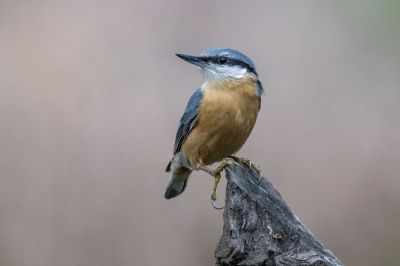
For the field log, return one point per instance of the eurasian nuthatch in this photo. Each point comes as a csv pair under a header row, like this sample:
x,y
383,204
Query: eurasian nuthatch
x,y
218,118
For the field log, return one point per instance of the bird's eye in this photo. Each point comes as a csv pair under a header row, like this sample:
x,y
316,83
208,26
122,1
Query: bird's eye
x,y
222,60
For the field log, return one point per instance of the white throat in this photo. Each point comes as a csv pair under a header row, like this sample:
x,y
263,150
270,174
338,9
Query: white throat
x,y
219,72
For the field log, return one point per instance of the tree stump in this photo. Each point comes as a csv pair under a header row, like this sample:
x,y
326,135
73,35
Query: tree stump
x,y
260,228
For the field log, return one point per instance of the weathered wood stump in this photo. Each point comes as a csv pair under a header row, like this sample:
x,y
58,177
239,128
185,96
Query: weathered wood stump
x,y
260,228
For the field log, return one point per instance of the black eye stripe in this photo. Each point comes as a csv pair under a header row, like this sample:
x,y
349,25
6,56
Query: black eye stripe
x,y
231,62
235,62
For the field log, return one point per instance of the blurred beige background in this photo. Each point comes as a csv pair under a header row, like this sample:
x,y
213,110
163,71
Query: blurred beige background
x,y
91,94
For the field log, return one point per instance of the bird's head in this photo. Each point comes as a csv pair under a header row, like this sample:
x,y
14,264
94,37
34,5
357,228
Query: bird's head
x,y
222,64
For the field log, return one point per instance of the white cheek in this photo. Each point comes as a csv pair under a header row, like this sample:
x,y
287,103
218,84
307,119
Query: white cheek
x,y
238,72
232,71
224,72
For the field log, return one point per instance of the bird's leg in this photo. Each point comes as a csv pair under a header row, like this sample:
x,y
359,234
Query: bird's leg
x,y
216,174
217,177
247,162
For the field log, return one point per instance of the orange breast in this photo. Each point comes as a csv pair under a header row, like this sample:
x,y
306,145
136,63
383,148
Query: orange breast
x,y
228,112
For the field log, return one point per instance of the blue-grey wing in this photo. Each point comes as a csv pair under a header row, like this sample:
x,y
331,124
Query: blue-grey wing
x,y
188,120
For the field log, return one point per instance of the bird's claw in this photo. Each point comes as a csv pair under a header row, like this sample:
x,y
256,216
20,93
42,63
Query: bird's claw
x,y
247,162
215,206
217,177
226,162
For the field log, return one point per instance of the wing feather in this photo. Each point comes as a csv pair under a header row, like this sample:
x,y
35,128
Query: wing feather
x,y
188,120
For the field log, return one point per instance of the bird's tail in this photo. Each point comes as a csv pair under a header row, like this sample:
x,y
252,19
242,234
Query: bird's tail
x,y
178,182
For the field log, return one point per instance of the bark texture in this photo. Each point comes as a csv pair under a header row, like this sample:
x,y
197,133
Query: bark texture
x,y
260,228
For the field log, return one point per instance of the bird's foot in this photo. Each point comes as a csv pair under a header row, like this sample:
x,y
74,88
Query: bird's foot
x,y
247,162
217,177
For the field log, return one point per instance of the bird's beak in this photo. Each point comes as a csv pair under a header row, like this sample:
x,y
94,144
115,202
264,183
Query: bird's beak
x,y
195,60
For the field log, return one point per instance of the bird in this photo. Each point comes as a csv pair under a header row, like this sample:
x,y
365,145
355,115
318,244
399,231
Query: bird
x,y
218,118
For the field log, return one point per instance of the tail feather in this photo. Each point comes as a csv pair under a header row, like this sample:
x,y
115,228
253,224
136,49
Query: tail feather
x,y
178,183
168,168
